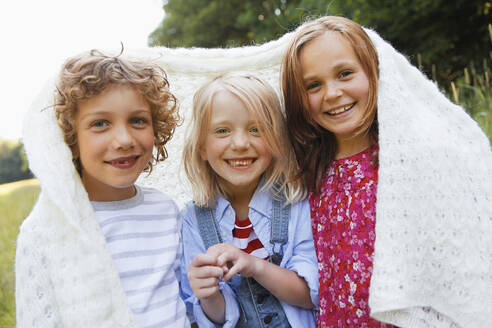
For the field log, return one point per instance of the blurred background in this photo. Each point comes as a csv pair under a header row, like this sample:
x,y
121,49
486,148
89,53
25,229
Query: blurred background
x,y
449,40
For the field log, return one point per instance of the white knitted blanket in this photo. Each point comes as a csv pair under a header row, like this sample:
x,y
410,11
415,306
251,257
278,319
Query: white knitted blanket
x,y
433,251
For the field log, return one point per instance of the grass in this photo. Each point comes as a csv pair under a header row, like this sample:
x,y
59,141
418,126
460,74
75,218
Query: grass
x,y
16,201
473,90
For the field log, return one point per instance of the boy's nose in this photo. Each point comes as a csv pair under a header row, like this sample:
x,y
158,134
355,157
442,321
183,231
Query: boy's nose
x,y
123,139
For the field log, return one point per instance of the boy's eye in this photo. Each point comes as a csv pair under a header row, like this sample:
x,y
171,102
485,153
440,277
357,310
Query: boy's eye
x,y
139,121
99,124
312,85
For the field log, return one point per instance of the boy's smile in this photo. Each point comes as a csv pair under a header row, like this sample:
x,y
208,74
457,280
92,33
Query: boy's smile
x,y
124,162
233,146
115,139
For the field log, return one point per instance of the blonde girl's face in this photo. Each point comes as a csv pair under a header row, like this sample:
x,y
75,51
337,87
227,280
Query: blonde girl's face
x,y
336,85
115,139
233,146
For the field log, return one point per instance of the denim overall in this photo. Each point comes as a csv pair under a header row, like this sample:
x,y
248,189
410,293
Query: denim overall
x,y
259,308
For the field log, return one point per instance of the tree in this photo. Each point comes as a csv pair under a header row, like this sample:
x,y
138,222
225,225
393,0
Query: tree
x,y
446,33
449,34
219,23
13,162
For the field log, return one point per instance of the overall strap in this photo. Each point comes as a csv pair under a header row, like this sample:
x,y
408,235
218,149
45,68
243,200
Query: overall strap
x,y
208,226
279,229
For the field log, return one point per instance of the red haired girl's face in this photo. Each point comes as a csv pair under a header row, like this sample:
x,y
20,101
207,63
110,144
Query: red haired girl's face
x,y
336,84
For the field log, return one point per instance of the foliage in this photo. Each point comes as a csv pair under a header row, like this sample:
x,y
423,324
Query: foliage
x,y
201,23
13,162
449,36
473,91
449,33
428,27
16,201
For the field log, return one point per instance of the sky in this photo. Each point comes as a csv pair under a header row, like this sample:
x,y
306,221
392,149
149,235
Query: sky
x,y
37,36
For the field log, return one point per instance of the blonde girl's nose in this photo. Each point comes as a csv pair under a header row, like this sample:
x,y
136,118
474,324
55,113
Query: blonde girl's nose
x,y
240,140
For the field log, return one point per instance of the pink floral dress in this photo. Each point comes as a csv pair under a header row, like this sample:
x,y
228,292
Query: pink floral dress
x,y
343,222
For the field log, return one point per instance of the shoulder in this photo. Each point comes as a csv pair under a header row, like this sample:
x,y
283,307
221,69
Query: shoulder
x,y
187,213
27,233
152,193
301,205
37,222
300,208
300,213
33,232
155,197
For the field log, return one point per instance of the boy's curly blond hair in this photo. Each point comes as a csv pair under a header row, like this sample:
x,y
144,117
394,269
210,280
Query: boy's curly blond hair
x,y
90,73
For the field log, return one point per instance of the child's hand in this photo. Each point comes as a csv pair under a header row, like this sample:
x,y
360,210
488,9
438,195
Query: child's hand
x,y
203,275
233,261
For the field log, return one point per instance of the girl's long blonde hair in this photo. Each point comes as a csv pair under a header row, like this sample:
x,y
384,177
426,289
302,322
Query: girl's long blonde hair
x,y
263,104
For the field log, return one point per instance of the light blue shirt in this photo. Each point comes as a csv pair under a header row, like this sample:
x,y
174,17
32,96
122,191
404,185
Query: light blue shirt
x,y
299,254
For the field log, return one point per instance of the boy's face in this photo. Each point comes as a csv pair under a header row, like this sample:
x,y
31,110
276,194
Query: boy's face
x,y
115,139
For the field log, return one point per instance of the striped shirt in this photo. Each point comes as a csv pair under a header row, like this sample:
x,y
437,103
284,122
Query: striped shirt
x,y
143,236
244,238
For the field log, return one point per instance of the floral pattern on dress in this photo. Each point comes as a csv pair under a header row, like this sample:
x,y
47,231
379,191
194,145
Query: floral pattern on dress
x,y
343,222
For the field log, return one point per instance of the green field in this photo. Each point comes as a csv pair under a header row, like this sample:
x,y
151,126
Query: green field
x,y
16,201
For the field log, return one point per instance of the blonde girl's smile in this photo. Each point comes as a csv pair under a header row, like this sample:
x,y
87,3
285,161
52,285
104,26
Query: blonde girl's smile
x,y
233,146
240,163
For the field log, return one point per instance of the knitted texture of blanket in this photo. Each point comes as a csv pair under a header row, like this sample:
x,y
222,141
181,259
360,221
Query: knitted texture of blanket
x,y
433,250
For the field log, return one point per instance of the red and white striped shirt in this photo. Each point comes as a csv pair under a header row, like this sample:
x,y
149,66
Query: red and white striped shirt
x,y
244,238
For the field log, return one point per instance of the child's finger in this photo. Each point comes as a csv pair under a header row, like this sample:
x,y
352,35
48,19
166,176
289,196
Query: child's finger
x,y
217,249
207,292
203,260
226,259
235,269
205,272
206,282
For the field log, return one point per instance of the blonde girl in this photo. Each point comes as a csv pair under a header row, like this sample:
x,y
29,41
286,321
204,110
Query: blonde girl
x,y
248,244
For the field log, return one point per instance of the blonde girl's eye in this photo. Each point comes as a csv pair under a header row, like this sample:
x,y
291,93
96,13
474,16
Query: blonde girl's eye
x,y
254,131
221,131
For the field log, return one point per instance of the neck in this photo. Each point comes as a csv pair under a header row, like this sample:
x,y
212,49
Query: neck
x,y
104,193
240,199
241,209
352,145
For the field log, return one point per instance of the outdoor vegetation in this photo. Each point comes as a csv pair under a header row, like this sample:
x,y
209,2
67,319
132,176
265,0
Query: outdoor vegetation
x,y
450,41
13,162
16,201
